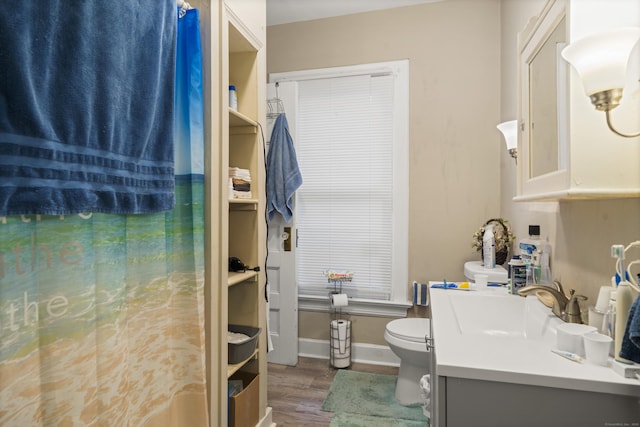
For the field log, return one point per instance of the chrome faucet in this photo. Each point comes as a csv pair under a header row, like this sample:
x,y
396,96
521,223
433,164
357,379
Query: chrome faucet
x,y
566,308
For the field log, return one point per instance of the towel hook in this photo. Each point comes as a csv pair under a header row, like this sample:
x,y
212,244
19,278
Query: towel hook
x,y
275,105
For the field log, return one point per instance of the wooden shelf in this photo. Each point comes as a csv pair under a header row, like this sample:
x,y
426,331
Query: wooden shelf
x,y
232,369
243,204
239,277
239,120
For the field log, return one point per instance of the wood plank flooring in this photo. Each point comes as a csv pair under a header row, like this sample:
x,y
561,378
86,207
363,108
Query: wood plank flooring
x,y
295,394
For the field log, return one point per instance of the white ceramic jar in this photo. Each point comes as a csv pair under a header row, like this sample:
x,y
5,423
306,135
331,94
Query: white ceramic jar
x,y
570,337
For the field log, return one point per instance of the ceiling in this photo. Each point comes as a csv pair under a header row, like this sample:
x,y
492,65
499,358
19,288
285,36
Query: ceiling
x,y
287,11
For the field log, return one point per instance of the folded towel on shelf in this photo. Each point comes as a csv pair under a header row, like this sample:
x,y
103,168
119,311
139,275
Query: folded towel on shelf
x,y
241,194
87,107
239,173
239,183
240,187
630,348
283,173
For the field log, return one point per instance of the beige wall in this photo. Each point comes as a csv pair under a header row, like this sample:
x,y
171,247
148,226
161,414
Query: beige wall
x,y
463,81
580,231
454,54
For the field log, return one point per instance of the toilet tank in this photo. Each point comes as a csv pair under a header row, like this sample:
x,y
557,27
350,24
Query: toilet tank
x,y
495,275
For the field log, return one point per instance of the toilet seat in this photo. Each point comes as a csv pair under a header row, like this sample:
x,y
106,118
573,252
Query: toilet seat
x,y
409,329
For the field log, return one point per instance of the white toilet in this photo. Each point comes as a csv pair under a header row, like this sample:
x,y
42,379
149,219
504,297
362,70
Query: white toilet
x,y
406,338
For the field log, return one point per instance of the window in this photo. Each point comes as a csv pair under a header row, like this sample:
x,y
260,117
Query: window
x,y
351,211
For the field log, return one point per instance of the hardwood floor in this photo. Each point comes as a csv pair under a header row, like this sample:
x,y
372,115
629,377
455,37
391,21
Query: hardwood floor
x,y
295,394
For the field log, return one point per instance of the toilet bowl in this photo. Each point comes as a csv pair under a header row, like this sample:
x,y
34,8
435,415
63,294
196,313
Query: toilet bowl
x,y
406,338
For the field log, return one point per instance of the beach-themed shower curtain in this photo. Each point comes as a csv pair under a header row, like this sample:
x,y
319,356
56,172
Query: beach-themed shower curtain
x,y
102,316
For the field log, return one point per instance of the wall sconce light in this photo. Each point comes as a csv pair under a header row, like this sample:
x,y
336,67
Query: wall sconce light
x,y
510,132
601,62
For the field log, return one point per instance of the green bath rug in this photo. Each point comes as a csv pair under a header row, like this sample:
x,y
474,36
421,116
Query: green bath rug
x,y
344,419
367,394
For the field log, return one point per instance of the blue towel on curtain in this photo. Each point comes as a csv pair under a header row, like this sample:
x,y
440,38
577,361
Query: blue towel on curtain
x,y
283,174
630,348
86,106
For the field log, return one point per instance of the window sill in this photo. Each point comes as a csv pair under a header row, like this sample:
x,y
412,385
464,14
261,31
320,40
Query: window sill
x,y
357,306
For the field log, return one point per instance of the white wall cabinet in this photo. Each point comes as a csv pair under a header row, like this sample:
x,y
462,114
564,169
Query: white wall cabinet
x,y
566,149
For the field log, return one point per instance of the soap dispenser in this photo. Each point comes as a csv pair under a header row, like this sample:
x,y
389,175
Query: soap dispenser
x,y
489,247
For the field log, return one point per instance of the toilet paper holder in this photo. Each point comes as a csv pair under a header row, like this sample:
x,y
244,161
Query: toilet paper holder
x,y
340,343
338,299
339,329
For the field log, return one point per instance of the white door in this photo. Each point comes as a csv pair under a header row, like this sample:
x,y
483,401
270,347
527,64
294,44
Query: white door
x,y
281,245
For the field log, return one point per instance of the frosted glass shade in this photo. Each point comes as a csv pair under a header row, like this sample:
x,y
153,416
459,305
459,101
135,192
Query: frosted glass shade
x,y
601,58
510,132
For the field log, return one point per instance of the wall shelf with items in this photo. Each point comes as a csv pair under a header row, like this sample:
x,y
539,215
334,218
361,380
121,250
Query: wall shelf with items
x,y
234,53
566,150
244,200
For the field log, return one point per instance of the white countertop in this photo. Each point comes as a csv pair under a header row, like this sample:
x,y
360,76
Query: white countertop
x,y
511,359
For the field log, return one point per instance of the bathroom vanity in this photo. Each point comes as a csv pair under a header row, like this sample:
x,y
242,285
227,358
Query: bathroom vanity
x,y
492,365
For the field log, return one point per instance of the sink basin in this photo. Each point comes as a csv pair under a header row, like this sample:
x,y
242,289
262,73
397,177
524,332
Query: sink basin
x,y
502,315
494,366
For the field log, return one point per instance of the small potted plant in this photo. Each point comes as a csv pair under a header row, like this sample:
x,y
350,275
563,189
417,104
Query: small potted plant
x,y
503,237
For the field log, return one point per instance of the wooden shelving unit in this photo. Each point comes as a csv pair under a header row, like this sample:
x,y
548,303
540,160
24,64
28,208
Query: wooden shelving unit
x,y
242,147
233,45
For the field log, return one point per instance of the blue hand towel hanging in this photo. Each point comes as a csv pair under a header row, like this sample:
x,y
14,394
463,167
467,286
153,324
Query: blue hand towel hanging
x,y
283,173
86,106
630,348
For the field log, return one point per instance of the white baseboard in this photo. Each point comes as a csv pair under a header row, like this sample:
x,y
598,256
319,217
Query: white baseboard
x,y
372,354
267,420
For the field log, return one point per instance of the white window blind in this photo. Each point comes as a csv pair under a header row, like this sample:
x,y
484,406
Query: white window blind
x,y
344,209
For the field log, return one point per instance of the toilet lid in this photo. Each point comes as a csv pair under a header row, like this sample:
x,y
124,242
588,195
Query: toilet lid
x,y
410,329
